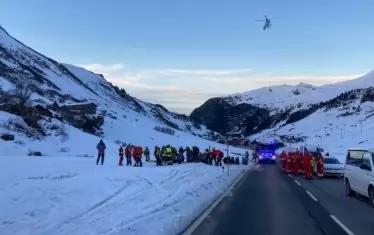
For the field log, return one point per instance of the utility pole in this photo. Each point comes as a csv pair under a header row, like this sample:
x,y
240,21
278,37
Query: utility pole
x,y
361,123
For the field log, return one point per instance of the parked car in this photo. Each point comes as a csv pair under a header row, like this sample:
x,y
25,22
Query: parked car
x,y
333,167
359,173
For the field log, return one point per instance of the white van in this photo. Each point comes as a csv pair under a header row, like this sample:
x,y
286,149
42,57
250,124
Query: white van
x,y
359,173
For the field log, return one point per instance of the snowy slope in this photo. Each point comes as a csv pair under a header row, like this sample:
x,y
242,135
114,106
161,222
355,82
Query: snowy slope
x,y
284,96
63,191
268,107
125,118
328,129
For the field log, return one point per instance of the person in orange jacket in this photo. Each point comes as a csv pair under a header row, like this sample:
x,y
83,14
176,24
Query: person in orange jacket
x,y
298,163
308,159
301,162
294,163
320,165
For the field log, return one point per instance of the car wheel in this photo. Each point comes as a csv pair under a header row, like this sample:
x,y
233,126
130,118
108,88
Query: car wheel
x,y
348,190
371,196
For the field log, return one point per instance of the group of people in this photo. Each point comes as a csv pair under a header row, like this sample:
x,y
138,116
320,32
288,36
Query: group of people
x,y
168,155
298,163
130,152
165,155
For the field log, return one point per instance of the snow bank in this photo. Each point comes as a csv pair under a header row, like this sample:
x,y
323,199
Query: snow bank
x,y
44,196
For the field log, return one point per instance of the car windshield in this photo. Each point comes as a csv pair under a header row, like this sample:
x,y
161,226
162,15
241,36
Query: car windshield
x,y
332,161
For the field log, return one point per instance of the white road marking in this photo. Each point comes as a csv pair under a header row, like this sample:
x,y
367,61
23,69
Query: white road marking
x,y
297,182
290,175
311,195
206,213
349,232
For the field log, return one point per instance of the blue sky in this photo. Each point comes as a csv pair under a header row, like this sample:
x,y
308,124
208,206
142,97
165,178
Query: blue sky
x,y
181,52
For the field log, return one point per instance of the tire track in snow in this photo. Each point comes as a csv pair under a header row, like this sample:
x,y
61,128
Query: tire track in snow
x,y
98,212
172,176
155,208
92,208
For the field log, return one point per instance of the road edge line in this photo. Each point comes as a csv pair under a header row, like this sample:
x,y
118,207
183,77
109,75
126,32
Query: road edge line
x,y
297,182
311,195
345,228
196,223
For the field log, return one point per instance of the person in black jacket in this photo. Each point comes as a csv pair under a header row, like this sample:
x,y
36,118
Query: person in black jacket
x,y
120,153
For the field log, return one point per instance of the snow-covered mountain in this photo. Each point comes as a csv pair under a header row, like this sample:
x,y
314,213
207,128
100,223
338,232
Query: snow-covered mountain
x,y
42,98
286,110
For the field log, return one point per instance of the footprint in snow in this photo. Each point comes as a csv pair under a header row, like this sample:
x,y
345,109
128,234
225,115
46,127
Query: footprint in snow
x,y
7,222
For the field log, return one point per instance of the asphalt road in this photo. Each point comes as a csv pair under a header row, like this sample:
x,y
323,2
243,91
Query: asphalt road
x,y
268,202
355,212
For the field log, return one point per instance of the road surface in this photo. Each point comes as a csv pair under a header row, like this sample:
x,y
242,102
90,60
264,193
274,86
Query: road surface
x,y
268,202
355,212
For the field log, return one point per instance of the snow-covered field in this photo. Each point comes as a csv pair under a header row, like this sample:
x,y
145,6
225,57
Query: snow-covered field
x,y
60,195
64,192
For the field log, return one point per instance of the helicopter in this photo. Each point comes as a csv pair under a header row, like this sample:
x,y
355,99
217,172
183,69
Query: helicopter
x,y
267,24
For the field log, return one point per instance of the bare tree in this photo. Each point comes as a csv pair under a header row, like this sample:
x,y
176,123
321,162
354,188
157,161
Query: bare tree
x,y
23,92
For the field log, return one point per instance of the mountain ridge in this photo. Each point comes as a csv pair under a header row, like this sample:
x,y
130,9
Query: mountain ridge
x,y
278,105
63,96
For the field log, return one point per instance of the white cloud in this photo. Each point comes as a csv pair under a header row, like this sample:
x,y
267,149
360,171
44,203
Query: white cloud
x,y
185,89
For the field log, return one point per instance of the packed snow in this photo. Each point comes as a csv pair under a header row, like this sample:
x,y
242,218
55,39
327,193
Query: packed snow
x,y
59,195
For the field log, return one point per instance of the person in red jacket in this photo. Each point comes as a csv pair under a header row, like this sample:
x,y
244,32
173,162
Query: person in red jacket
x,y
213,156
294,163
308,159
282,159
128,151
219,157
288,162
137,154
